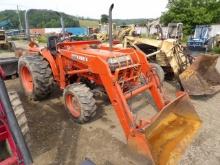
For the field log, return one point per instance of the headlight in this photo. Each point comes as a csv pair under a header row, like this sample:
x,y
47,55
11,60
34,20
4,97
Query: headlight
x,y
120,61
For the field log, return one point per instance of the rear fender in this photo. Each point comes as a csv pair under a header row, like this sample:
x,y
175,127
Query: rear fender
x,y
49,57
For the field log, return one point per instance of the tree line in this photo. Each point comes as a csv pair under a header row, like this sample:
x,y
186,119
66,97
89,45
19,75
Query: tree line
x,y
189,12
192,13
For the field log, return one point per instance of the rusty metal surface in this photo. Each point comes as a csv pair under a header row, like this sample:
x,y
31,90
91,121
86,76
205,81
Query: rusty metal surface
x,y
202,77
172,131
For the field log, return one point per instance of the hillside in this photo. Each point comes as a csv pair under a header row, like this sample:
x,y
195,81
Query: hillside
x,y
39,18
49,19
88,23
139,21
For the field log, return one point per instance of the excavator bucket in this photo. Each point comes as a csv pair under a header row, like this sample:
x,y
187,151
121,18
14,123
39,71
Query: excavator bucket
x,y
169,133
202,77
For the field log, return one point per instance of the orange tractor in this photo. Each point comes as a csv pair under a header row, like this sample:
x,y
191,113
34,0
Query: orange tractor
x,y
122,73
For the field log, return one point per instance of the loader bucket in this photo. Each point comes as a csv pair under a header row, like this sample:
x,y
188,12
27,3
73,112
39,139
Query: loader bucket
x,y
202,77
167,137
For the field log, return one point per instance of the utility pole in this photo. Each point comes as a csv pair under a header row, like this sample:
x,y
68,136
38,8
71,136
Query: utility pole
x,y
62,24
19,19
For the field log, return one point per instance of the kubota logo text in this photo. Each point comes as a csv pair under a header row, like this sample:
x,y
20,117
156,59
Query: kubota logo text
x,y
80,58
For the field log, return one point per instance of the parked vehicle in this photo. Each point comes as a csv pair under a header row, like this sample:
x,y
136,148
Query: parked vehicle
x,y
201,40
4,43
14,129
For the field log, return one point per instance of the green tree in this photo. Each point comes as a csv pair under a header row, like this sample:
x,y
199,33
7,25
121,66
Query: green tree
x,y
104,18
192,13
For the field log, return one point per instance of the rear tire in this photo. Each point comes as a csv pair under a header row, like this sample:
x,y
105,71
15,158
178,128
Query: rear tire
x,y
12,46
20,116
158,69
35,76
79,102
211,44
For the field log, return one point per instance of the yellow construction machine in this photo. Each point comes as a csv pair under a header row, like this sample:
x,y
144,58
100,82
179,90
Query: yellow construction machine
x,y
4,43
197,75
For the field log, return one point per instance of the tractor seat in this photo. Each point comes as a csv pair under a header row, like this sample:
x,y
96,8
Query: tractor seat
x,y
52,44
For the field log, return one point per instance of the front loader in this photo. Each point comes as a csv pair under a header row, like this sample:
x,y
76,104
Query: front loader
x,y
78,67
197,75
13,128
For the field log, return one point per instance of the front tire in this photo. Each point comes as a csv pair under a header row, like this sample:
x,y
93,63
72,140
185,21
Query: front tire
x,y
35,76
79,102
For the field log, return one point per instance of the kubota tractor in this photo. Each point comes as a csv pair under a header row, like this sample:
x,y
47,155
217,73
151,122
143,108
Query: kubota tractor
x,y
122,73
13,129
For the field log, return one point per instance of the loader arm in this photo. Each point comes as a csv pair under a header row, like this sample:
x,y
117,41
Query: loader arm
x,y
132,130
148,136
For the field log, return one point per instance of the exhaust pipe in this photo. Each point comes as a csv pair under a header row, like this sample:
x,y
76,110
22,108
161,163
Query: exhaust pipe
x,y
110,26
27,29
61,23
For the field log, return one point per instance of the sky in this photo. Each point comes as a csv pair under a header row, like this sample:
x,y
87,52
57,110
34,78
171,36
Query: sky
x,y
123,9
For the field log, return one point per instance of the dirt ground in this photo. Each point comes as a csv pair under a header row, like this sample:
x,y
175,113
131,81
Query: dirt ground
x,y
56,139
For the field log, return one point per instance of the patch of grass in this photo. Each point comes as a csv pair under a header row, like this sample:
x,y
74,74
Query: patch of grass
x,y
216,50
79,38
42,39
14,38
185,39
